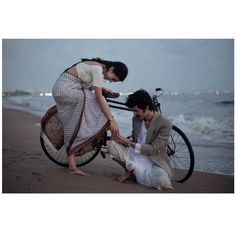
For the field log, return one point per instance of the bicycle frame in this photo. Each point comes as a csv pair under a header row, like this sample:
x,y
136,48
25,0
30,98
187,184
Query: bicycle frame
x,y
117,107
179,150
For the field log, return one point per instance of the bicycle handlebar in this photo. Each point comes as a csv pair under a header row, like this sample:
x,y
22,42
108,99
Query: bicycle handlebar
x,y
110,95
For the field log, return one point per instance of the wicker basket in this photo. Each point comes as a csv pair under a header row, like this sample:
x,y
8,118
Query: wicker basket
x,y
52,128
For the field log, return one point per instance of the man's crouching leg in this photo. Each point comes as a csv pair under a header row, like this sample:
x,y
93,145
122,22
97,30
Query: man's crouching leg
x,y
120,155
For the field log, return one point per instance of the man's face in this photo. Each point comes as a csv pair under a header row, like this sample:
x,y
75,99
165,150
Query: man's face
x,y
139,113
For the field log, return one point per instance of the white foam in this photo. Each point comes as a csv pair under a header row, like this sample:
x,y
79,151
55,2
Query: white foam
x,y
206,127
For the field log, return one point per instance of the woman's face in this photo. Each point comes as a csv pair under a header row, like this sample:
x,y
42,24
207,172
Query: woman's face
x,y
110,75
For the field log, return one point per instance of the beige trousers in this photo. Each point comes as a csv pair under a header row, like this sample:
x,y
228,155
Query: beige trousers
x,y
146,172
120,152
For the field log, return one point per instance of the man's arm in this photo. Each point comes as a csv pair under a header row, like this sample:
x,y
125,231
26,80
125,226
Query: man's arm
x,y
158,143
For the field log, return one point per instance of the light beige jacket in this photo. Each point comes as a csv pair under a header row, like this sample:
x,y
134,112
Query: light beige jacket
x,y
155,146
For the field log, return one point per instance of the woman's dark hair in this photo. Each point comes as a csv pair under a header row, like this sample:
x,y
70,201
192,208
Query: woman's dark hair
x,y
141,99
120,69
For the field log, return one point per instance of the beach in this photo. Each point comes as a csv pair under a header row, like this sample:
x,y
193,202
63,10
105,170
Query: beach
x,y
26,169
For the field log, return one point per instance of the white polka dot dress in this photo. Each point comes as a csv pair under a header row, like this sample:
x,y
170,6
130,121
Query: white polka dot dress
x,y
68,95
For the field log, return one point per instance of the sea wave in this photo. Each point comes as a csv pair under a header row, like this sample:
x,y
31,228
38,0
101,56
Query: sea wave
x,y
33,104
204,127
207,128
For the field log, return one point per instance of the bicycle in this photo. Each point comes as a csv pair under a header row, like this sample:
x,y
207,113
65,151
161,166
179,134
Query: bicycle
x,y
179,148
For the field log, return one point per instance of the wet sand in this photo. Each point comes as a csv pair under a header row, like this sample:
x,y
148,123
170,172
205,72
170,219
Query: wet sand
x,y
26,169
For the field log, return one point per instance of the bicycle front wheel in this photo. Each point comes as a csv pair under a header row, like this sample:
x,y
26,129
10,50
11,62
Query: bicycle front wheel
x,y
181,155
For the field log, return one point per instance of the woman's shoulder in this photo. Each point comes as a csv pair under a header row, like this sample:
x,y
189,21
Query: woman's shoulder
x,y
92,67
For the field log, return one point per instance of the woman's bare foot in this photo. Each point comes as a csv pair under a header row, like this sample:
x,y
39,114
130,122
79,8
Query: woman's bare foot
x,y
73,168
78,172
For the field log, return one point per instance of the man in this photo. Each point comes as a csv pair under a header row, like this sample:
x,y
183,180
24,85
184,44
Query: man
x,y
145,156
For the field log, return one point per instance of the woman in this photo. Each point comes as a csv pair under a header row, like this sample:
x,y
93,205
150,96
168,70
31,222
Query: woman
x,y
78,96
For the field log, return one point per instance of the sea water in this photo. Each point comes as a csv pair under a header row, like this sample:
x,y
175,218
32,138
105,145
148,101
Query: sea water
x,y
206,119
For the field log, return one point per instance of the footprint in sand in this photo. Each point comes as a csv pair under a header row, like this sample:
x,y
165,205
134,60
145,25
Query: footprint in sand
x,y
37,175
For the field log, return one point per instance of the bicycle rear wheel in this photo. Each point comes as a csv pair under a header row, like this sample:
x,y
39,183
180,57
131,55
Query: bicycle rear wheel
x,y
60,156
181,155
53,147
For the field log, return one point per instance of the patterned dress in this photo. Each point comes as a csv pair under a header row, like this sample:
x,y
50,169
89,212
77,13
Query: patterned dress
x,y
69,97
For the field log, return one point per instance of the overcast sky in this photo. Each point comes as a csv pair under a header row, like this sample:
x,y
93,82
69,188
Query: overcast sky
x,y
182,65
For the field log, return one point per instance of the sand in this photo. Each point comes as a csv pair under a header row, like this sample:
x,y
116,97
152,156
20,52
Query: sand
x,y
26,169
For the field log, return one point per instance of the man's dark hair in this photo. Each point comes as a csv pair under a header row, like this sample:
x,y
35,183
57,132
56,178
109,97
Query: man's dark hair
x,y
141,99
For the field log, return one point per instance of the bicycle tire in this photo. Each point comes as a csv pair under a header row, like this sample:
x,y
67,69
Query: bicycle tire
x,y
59,157
181,155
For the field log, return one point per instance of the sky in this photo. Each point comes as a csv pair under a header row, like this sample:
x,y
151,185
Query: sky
x,y
183,65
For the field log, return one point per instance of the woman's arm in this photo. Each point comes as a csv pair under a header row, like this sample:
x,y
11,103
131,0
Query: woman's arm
x,y
101,101
107,90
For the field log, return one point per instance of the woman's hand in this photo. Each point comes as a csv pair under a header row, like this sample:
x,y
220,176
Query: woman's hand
x,y
121,140
114,128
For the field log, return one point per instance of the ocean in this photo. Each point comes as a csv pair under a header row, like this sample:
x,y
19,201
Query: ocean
x,y
206,119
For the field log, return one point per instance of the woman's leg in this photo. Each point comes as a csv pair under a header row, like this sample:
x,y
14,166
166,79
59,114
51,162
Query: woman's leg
x,y
73,168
